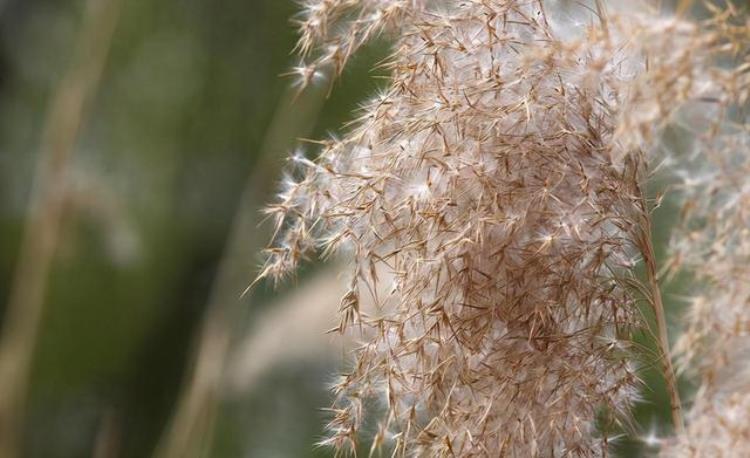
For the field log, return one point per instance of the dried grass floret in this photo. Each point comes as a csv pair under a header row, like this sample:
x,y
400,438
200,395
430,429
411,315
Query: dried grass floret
x,y
500,181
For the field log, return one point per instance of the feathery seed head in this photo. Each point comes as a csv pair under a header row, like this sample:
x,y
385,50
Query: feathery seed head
x,y
498,184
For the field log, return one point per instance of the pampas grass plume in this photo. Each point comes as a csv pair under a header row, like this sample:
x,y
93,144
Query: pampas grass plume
x,y
501,181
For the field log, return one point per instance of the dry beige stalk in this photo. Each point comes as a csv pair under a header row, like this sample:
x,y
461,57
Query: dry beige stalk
x,y
190,430
42,226
294,329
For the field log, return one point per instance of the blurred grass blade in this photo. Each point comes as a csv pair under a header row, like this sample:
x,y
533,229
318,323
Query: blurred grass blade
x,y
42,227
190,431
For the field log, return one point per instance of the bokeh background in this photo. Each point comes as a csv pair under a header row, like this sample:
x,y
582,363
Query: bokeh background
x,y
182,139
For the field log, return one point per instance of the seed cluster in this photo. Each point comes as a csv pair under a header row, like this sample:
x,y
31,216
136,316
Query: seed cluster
x,y
498,187
713,244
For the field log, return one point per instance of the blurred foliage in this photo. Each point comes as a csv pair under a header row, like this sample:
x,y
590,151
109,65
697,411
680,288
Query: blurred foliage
x,y
187,96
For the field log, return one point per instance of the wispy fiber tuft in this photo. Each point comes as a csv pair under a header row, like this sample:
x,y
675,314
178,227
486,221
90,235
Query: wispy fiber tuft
x,y
500,179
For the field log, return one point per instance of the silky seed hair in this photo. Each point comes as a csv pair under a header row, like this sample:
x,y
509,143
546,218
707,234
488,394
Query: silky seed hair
x,y
498,184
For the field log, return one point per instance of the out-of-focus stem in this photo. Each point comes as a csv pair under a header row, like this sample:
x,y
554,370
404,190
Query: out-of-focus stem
x,y
42,226
191,428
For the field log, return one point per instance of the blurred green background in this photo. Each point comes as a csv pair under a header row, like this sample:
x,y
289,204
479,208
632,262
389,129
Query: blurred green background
x,y
169,141
180,144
